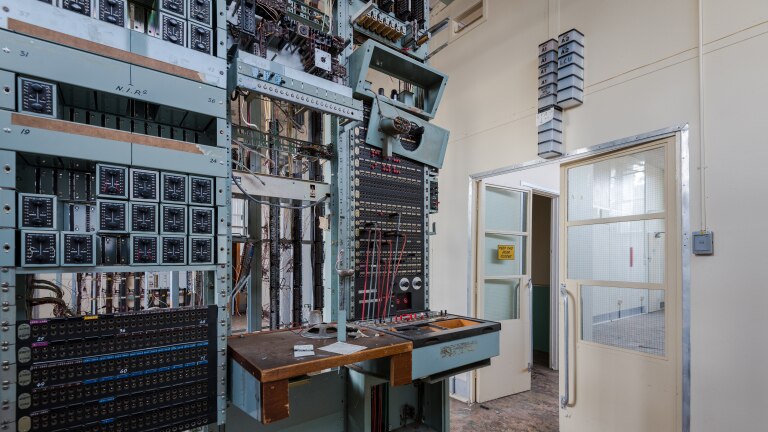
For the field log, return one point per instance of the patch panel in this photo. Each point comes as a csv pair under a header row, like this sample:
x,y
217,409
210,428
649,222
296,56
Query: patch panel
x,y
201,250
64,394
90,326
115,406
201,220
66,350
144,249
175,187
37,97
173,219
37,211
78,249
111,181
143,185
143,217
40,249
110,367
113,216
173,250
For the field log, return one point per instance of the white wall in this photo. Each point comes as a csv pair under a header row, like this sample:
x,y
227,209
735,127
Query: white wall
x,y
641,75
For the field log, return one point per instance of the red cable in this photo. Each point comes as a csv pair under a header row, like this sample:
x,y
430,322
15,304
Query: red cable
x,y
399,258
365,282
379,282
382,308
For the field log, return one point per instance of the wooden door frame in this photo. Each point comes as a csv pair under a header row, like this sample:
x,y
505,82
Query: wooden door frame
x,y
682,160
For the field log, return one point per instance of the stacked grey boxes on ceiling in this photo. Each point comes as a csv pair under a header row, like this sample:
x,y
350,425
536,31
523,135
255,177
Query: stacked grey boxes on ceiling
x,y
570,72
550,120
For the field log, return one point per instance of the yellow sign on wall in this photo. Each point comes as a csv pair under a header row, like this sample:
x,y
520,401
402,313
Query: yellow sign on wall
x,y
506,252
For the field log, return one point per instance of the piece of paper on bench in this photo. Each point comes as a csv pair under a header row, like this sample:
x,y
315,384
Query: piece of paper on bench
x,y
342,348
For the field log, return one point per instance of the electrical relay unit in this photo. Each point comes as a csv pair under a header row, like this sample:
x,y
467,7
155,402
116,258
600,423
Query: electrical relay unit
x,y
112,181
173,219
37,211
172,29
174,250
37,97
113,216
78,249
200,37
144,249
176,7
175,187
201,250
143,185
201,220
143,217
201,190
40,249
113,11
200,11
80,6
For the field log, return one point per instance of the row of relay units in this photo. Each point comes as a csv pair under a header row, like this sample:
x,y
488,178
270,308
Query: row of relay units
x,y
187,23
139,202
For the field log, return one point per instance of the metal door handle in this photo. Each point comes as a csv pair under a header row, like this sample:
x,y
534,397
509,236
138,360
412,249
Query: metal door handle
x,y
530,318
565,398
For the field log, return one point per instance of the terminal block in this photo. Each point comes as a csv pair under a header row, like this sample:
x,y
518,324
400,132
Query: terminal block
x,y
201,220
144,185
80,218
80,6
37,211
173,219
112,216
201,190
113,11
78,249
143,217
200,11
112,181
37,97
174,250
201,250
174,187
39,249
144,249
200,38
173,29
114,250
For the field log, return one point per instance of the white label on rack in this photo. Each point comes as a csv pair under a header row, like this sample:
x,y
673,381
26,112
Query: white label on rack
x,y
545,116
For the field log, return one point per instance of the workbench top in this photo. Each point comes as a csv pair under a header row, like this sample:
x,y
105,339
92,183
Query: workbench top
x,y
269,355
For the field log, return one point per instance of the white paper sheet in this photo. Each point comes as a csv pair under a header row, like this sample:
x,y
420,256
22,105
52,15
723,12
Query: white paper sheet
x,y
342,348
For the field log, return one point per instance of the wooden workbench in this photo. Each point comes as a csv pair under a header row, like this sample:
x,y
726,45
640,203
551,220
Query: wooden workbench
x,y
269,357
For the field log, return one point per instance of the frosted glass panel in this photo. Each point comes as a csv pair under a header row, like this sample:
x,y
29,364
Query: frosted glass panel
x,y
505,210
620,251
626,318
621,186
504,267
502,300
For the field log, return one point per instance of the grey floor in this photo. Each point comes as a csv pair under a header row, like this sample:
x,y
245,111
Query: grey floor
x,y
643,333
531,411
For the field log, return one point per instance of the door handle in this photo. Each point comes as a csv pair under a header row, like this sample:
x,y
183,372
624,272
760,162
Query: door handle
x,y
530,318
565,398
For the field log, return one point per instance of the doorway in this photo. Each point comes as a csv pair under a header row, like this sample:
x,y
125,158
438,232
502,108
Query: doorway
x,y
541,279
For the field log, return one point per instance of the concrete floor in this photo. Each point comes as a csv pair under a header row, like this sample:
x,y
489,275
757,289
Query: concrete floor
x,y
643,333
532,411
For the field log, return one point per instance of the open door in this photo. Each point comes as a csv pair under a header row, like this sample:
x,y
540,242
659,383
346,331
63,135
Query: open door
x,y
620,346
502,287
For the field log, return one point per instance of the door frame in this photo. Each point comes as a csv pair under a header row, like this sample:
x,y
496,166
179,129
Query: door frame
x,y
682,159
